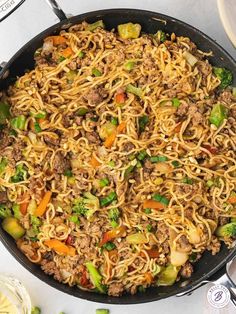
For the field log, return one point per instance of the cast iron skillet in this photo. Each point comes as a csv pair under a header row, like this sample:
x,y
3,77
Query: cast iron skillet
x,y
151,22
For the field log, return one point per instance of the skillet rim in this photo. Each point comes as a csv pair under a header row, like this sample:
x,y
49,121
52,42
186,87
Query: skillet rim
x,y
95,297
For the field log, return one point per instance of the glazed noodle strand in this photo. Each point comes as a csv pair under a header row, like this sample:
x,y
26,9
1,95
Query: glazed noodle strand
x,y
117,160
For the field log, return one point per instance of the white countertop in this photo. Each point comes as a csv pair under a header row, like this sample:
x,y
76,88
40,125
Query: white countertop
x,y
33,17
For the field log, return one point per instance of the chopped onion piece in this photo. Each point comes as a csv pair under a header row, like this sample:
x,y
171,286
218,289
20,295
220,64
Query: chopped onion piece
x,y
192,60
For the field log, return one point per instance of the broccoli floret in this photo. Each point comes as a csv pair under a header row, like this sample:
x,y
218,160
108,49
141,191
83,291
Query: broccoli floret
x,y
114,214
79,206
225,76
20,174
86,205
228,230
4,211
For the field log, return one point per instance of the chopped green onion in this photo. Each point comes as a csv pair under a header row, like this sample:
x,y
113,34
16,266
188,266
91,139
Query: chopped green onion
x,y
39,115
35,310
131,157
111,164
134,90
139,164
108,199
18,122
210,183
61,58
82,111
114,121
104,182
161,199
128,171
93,26
175,163
129,65
147,211
142,123
96,72
81,54
13,132
156,159
218,114
187,180
37,127
175,102
68,173
109,246
74,219
161,36
149,228
142,155
102,311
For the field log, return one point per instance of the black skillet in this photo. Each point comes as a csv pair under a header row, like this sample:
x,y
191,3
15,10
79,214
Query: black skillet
x,y
151,22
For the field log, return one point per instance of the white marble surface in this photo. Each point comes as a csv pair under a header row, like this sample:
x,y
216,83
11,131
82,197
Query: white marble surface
x,y
31,18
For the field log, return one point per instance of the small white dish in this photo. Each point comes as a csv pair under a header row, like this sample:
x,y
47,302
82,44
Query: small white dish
x,y
227,12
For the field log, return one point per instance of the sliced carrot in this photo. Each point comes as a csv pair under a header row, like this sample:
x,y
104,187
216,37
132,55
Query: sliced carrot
x,y
94,162
153,204
148,278
121,127
111,139
120,98
178,128
60,247
40,210
66,53
57,40
23,207
232,200
112,234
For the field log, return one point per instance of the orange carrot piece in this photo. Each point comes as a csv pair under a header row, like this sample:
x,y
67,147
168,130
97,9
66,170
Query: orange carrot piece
x,y
112,234
232,200
40,210
94,162
152,204
120,98
60,247
121,127
23,208
178,128
57,40
110,140
148,278
66,53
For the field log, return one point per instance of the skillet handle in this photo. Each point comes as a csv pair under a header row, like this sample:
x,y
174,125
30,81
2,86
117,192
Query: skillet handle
x,y
57,9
